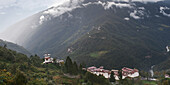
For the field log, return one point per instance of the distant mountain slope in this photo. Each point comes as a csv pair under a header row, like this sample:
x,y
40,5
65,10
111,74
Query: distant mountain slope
x,y
15,47
99,32
163,66
114,46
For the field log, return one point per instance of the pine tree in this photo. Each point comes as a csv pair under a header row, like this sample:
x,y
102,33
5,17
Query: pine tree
x,y
112,78
68,65
80,68
20,79
75,68
120,76
5,46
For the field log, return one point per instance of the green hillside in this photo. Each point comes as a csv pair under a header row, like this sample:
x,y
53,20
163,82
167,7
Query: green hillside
x,y
18,69
120,43
15,47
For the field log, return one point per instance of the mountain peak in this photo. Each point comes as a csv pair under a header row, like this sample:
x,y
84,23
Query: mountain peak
x,y
70,5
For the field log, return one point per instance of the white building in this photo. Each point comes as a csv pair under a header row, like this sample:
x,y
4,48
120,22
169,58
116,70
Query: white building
x,y
167,76
126,72
132,73
59,61
48,59
99,71
167,48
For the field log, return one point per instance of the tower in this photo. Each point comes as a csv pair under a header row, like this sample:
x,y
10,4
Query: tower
x,y
48,59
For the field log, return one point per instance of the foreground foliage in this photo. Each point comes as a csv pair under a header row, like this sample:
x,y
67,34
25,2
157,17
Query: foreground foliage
x,y
18,69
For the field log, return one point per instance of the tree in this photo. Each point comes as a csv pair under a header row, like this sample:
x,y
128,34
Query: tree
x,y
36,60
165,82
5,46
100,80
54,60
68,65
75,68
3,66
112,78
120,76
20,79
23,67
80,68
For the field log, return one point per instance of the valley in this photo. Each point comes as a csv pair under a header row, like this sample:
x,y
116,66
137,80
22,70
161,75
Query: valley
x,y
98,32
89,42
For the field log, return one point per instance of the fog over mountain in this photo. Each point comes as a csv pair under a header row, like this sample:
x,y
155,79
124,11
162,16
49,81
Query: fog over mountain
x,y
12,11
58,10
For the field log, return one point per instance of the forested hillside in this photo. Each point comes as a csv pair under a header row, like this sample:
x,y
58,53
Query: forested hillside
x,y
15,47
18,69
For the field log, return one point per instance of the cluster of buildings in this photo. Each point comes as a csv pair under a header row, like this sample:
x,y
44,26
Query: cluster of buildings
x,y
126,72
99,71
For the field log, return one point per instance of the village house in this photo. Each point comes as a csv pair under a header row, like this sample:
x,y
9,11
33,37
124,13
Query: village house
x,y
99,71
116,74
48,59
60,62
126,72
167,76
132,73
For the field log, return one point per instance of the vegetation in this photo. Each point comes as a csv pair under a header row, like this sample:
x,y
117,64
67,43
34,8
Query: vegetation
x,y
15,47
121,44
93,79
18,69
112,78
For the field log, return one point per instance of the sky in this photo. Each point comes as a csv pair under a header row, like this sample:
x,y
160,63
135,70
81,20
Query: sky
x,y
12,11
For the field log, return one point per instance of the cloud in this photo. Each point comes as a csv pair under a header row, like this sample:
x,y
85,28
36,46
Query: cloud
x,y
140,0
148,0
58,10
42,4
15,10
69,5
162,10
134,15
41,19
120,5
126,18
6,3
2,13
29,4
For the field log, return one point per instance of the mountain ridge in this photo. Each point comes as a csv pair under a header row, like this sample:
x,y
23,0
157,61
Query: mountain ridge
x,y
100,33
14,47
